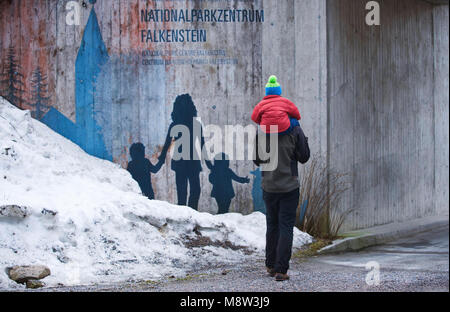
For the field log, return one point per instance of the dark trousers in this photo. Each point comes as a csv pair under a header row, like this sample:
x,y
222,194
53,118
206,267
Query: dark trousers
x,y
224,205
182,180
280,216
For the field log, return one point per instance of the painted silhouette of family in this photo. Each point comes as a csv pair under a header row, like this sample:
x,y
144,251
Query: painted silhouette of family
x,y
188,166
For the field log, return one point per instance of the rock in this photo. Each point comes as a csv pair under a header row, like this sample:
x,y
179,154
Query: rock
x,y
33,284
47,212
8,150
22,274
13,211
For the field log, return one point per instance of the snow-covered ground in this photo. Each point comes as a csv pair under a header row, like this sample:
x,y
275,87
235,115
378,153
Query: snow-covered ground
x,y
85,219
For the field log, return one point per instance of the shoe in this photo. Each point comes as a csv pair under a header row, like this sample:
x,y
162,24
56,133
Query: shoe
x,y
280,277
271,272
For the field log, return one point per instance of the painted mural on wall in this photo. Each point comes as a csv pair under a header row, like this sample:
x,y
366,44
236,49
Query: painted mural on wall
x,y
187,171
12,79
86,132
141,169
221,177
120,111
40,98
257,193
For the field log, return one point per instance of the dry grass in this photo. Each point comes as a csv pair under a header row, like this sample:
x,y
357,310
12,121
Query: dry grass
x,y
311,250
321,191
203,241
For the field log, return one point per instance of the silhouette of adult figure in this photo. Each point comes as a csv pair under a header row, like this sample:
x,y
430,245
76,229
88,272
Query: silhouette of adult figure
x,y
222,177
141,169
187,168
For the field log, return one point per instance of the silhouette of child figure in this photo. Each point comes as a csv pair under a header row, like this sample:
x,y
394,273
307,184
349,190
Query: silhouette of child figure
x,y
221,177
141,169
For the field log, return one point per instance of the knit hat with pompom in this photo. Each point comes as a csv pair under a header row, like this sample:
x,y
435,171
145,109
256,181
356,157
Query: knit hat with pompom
x,y
273,87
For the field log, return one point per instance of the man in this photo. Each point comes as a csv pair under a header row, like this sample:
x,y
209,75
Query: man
x,y
281,195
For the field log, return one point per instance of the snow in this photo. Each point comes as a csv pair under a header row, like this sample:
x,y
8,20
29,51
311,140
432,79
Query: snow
x,y
86,220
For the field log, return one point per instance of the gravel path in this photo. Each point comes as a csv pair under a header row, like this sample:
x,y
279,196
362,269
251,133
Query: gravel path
x,y
306,276
311,276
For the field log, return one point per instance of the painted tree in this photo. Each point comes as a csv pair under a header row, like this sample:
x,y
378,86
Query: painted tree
x,y
39,94
12,80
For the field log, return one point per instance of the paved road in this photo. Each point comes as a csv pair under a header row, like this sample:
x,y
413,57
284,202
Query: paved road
x,y
417,263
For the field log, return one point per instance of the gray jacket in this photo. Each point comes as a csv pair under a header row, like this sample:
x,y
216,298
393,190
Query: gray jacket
x,y
292,148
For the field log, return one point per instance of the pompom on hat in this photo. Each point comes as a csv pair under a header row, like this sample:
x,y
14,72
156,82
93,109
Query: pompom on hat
x,y
273,87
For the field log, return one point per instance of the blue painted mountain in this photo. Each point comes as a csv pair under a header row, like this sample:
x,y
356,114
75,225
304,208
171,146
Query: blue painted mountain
x,y
86,132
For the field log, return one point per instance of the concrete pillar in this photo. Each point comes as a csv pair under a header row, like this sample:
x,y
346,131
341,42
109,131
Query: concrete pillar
x,y
441,103
388,107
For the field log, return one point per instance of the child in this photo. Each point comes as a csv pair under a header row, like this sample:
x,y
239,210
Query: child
x,y
141,169
276,110
221,177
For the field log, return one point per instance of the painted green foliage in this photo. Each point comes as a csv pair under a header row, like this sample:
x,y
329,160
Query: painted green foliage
x,y
39,92
11,83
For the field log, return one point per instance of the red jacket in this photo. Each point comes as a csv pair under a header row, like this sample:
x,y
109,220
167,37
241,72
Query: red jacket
x,y
275,110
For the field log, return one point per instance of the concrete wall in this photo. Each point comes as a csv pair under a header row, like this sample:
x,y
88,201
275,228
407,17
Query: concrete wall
x,y
372,99
131,102
128,102
295,50
441,103
383,106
